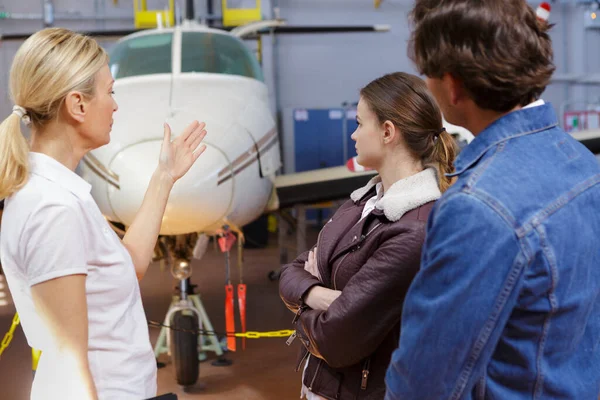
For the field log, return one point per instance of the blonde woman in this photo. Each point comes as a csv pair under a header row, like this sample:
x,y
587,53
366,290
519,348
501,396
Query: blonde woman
x,y
74,282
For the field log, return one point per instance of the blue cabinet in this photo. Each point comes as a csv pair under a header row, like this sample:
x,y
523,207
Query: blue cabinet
x,y
351,126
320,136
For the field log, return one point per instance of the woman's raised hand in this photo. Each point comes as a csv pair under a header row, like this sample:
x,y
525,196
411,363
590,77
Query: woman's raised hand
x,y
178,156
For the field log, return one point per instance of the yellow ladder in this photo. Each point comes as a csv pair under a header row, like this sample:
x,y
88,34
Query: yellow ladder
x,y
236,13
145,19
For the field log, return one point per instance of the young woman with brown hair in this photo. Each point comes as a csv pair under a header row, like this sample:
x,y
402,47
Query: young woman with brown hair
x,y
348,291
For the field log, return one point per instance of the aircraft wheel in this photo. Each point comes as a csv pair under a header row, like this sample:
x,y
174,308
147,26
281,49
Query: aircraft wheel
x,y
184,348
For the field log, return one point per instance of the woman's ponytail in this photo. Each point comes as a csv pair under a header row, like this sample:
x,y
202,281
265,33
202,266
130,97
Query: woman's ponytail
x,y
442,158
14,152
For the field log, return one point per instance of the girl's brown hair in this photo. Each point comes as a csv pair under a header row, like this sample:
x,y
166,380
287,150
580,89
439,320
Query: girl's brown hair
x,y
404,100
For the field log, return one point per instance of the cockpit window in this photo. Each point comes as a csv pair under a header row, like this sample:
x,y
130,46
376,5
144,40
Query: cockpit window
x,y
143,55
217,53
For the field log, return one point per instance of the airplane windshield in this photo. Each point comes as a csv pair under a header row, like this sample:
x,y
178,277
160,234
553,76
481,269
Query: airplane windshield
x,y
142,55
219,54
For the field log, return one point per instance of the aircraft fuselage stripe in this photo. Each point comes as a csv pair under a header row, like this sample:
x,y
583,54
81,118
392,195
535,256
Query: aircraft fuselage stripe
x,y
242,162
234,169
249,153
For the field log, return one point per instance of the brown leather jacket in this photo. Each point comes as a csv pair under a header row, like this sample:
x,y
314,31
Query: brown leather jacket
x,y
372,261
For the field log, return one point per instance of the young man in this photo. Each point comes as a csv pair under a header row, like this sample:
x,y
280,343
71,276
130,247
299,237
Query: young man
x,y
507,302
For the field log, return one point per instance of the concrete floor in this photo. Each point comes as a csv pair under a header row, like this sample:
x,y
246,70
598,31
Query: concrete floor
x,y
265,370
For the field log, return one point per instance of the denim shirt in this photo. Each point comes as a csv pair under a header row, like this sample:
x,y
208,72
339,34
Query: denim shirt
x,y
506,304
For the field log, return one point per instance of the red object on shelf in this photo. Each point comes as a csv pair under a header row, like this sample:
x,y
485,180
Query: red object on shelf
x,y
543,11
354,166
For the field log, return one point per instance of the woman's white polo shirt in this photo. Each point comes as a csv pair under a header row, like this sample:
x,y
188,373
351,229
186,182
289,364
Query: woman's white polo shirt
x,y
52,228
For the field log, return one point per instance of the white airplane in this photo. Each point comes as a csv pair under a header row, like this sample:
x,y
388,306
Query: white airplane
x,y
178,75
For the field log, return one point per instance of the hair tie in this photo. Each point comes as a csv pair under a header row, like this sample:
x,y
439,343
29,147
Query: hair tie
x,y
22,113
438,133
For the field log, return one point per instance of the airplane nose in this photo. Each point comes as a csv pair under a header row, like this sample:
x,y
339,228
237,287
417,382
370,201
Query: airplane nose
x,y
198,200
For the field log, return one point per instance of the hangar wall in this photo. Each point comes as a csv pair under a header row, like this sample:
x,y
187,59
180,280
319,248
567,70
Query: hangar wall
x,y
324,70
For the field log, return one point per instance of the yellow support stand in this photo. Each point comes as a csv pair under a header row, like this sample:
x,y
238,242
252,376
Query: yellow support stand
x,y
147,19
240,12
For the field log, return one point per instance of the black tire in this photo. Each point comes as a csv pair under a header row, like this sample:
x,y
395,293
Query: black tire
x,y
184,348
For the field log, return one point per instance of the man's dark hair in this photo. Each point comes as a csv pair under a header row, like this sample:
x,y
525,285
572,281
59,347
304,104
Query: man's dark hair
x,y
498,49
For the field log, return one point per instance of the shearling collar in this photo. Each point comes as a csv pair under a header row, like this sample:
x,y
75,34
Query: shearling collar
x,y
404,195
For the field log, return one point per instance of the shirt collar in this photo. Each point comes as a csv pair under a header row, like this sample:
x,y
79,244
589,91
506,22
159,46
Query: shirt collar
x,y
535,117
404,195
50,169
379,190
536,103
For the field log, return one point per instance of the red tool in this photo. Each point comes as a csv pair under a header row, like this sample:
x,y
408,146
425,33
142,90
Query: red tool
x,y
242,304
229,318
241,289
226,241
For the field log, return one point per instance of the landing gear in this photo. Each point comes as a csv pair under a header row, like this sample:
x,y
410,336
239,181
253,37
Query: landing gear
x,y
184,348
186,312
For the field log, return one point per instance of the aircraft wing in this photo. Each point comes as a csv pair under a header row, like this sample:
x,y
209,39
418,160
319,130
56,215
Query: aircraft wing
x,y
319,185
116,34
338,182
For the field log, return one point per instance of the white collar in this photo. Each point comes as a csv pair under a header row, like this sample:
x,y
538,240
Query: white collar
x,y
379,190
404,195
48,168
536,103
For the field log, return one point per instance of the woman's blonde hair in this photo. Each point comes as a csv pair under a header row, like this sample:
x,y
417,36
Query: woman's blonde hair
x,y
50,64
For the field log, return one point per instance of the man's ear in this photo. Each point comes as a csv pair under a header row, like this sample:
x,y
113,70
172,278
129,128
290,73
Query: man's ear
x,y
389,132
454,87
76,106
